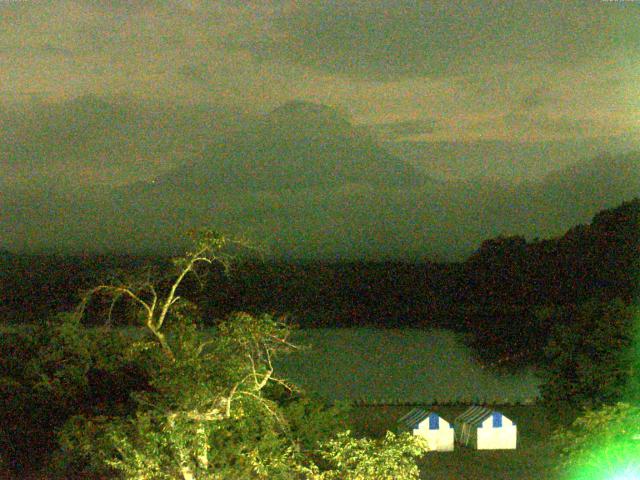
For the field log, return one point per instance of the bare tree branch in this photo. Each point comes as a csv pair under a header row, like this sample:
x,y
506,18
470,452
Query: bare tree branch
x,y
209,250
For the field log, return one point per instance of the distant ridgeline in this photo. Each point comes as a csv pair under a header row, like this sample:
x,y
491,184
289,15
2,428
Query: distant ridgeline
x,y
598,260
601,261
494,294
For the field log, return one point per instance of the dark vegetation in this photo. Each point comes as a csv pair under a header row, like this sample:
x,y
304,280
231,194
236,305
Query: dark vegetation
x,y
50,372
168,399
534,457
506,294
565,305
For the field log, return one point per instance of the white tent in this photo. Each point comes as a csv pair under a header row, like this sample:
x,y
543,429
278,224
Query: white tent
x,y
485,429
429,425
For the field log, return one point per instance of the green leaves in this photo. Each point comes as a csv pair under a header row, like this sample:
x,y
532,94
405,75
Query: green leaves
x,y
312,421
59,370
208,404
589,355
64,369
348,458
209,414
601,442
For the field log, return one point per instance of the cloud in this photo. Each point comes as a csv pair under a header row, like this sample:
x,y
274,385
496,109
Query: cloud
x,y
196,73
555,126
406,38
160,49
397,60
52,49
46,49
538,97
396,130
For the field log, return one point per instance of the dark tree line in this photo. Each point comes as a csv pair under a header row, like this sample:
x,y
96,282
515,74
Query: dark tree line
x,y
499,294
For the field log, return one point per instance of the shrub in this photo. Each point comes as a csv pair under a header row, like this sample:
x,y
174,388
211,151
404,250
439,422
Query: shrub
x,y
49,373
311,421
588,358
347,458
602,443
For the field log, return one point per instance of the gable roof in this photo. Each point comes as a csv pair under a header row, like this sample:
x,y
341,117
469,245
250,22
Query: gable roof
x,y
415,417
474,415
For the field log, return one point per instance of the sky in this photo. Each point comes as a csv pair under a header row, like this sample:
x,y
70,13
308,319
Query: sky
x,y
512,81
518,70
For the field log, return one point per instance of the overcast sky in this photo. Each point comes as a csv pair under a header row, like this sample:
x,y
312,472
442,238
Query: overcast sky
x,y
447,70
115,92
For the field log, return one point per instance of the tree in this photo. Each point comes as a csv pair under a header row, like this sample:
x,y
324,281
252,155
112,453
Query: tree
x,y
206,405
209,247
214,405
198,381
51,371
602,443
589,356
391,458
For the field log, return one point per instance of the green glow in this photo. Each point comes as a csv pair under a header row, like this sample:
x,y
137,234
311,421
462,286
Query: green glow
x,y
618,460
627,475
614,451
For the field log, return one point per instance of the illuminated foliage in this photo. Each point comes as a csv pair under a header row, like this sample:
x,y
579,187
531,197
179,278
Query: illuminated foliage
x,y
50,372
602,444
390,458
215,408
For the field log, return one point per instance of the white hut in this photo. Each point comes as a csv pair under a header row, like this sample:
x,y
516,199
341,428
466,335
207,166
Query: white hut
x,y
485,429
429,425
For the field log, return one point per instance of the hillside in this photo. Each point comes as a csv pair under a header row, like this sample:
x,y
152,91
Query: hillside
x,y
589,185
91,139
600,259
301,180
499,294
504,161
298,145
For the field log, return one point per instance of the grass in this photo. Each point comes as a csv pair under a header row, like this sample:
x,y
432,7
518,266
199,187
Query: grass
x,y
533,459
399,366
418,367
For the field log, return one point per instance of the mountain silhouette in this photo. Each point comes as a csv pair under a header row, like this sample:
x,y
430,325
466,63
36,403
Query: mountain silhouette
x,y
92,139
577,192
604,177
297,145
301,119
511,161
301,178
